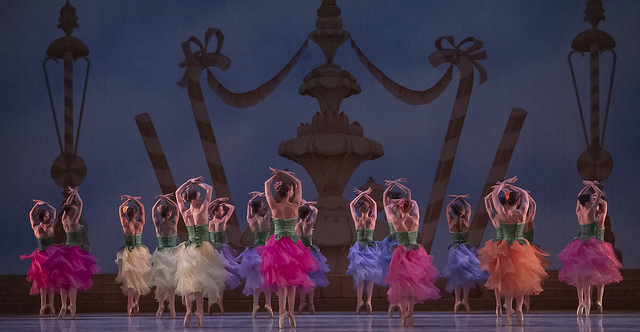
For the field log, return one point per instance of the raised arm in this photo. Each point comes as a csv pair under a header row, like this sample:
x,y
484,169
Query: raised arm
x,y
33,215
229,212
79,206
141,213
179,198
121,208
297,193
373,211
495,200
406,190
385,198
448,213
268,191
532,209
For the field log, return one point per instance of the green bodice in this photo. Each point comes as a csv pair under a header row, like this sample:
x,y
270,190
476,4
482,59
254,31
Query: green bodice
x,y
459,238
285,227
408,239
260,238
364,237
198,234
217,239
591,230
392,231
167,241
45,242
74,238
133,241
499,235
307,240
513,232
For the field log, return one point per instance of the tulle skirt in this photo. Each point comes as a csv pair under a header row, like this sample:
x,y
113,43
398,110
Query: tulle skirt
x,y
411,274
463,268
164,264
70,267
38,275
590,263
385,247
133,269
228,256
513,269
200,269
248,270
364,264
285,263
319,277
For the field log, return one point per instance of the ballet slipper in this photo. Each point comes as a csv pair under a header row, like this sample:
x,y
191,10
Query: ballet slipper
x,y
43,308
129,309
527,304
466,307
301,306
172,310
199,316
390,310
312,309
72,310
369,308
509,315
254,312
292,319
281,319
187,319
159,311
410,320
267,307
519,317
499,310
221,307
136,309
52,311
360,304
599,305
403,319
578,311
456,306
63,312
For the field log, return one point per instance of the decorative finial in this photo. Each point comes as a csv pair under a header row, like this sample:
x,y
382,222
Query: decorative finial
x,y
594,13
68,19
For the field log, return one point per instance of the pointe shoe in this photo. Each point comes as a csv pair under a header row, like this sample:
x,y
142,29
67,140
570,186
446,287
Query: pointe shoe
x,y
63,311
499,311
267,307
254,312
52,311
509,315
129,309
301,306
281,319
527,306
187,319
199,316
519,317
456,306
159,311
43,308
136,309
410,321
599,305
221,308
172,310
292,319
466,307
403,319
312,309
369,308
72,309
358,307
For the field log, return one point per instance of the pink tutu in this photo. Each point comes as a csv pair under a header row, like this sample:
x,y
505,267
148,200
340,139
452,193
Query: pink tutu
x,y
38,275
285,263
411,273
70,267
592,263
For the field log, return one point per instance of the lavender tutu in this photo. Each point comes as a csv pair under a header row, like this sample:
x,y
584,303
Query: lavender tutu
x,y
385,247
70,267
228,256
463,267
285,263
249,261
411,274
364,263
592,262
38,275
319,277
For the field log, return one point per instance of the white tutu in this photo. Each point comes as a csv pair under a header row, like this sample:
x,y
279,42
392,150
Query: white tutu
x,y
133,269
164,263
200,269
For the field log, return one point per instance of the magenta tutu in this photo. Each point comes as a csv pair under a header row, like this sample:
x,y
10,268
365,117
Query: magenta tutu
x,y
38,275
70,267
592,262
411,274
285,263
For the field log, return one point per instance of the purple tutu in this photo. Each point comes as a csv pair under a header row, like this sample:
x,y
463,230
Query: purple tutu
x,y
38,275
411,274
385,247
285,263
364,266
463,267
319,277
70,267
591,263
249,261
228,256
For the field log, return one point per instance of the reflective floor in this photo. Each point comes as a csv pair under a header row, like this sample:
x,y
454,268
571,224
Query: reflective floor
x,y
333,321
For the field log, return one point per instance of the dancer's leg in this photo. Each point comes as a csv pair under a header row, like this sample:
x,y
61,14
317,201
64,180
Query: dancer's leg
x,y
72,301
312,307
465,297
220,299
161,294
412,303
256,298
600,290
519,302
303,303
171,294
136,303
282,301
580,291
130,302
199,308
359,290
587,299
457,303
369,296
43,301
498,303
508,302
64,294
267,303
51,299
188,302
291,298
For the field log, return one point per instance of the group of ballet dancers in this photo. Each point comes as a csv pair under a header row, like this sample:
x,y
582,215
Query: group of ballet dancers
x,y
287,261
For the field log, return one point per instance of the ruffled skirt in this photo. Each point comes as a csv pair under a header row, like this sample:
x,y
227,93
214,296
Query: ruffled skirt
x,y
385,247
228,256
133,269
285,263
70,267
513,269
38,275
164,264
411,274
591,263
364,264
319,277
248,270
200,269
463,268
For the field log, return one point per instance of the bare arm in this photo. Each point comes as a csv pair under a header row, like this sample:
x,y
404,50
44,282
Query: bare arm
x,y
297,194
268,192
33,218
120,212
141,213
229,212
385,199
449,218
603,214
532,209
179,199
76,218
373,212
494,198
406,190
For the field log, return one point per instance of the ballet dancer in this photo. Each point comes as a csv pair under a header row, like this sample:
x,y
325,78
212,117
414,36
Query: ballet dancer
x,y
388,244
165,258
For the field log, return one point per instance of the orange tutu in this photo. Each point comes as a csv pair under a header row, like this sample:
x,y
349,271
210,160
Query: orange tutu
x,y
514,269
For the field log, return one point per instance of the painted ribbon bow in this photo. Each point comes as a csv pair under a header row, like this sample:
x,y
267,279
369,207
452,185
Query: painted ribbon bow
x,y
197,61
471,53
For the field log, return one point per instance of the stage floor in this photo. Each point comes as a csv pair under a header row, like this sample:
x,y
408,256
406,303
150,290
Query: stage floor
x,y
332,321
